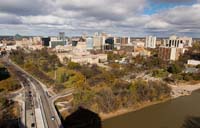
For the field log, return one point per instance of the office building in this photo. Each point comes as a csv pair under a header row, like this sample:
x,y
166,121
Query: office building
x,y
125,40
56,41
97,42
61,36
150,42
89,43
167,53
45,41
178,42
109,44
53,44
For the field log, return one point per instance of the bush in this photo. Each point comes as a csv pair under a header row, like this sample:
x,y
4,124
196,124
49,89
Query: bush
x,y
198,66
174,69
73,65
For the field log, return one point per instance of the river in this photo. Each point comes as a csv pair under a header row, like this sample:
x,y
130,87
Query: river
x,y
170,114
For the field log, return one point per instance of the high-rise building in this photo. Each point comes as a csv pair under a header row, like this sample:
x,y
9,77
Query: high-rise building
x,y
174,47
150,42
178,42
60,40
125,40
97,42
109,43
45,41
167,54
61,36
89,43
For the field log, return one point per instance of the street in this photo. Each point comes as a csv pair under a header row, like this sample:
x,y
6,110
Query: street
x,y
50,116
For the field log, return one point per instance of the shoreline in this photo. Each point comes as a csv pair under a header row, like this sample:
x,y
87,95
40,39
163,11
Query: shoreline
x,y
136,107
181,89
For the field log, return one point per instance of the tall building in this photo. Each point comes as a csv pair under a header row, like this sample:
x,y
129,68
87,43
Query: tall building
x,y
60,40
167,54
178,42
174,47
125,40
109,43
89,43
150,42
97,41
45,41
61,36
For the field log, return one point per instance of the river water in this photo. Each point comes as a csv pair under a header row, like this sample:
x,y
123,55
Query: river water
x,y
170,114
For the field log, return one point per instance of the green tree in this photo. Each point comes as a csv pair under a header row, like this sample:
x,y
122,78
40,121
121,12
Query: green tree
x,y
198,66
174,69
73,65
64,77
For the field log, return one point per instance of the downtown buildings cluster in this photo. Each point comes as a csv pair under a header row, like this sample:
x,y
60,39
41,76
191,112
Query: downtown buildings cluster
x,y
93,49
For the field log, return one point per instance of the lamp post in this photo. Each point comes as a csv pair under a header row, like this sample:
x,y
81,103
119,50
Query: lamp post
x,y
55,74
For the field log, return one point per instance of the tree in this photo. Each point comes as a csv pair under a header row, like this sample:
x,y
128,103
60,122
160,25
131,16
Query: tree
x,y
198,66
73,65
64,77
106,100
174,69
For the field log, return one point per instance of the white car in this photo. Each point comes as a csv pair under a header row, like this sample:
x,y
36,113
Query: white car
x,y
52,118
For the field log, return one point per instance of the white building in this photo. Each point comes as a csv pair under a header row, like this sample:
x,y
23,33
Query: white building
x,y
81,45
79,55
193,62
99,40
97,44
55,41
178,42
89,43
150,42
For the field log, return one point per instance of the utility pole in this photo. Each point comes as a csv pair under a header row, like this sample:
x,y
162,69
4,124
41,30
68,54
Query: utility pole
x,y
55,74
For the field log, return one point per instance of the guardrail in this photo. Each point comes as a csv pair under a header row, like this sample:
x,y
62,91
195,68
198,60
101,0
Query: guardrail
x,y
43,88
43,113
57,117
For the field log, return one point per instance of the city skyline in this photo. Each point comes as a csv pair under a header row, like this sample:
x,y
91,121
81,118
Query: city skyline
x,y
135,18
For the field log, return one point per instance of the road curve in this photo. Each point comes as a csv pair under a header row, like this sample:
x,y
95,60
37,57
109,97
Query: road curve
x,y
46,103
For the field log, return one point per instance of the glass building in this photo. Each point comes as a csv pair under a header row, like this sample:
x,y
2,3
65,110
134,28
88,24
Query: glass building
x,y
89,43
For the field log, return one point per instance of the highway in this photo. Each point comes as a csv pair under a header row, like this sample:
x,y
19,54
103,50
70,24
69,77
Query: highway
x,y
48,108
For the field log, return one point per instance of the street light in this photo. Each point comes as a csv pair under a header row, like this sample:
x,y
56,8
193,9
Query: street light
x,y
55,74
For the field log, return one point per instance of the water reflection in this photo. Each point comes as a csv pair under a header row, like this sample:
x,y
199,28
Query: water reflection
x,y
170,114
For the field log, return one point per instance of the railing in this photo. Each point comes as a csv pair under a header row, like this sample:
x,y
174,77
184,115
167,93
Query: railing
x,y
43,113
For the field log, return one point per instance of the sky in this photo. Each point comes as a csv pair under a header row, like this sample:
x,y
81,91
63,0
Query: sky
x,y
136,18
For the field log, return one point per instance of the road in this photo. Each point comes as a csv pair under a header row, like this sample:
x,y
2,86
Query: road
x,y
48,107
30,105
46,103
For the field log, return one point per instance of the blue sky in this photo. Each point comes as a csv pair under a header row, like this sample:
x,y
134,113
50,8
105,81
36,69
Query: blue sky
x,y
156,7
117,17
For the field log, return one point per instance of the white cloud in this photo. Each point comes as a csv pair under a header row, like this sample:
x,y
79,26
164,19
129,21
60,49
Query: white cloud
x,y
113,16
9,19
49,19
157,24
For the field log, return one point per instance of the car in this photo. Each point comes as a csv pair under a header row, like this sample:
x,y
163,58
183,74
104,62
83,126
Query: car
x,y
52,118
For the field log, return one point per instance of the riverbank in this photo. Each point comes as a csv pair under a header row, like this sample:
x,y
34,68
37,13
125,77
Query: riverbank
x,y
178,90
131,109
183,89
